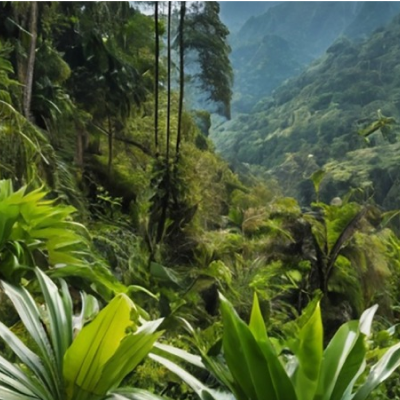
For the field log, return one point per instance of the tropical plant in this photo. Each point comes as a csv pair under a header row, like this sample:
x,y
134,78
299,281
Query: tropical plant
x,y
384,124
351,246
256,366
39,232
35,231
73,360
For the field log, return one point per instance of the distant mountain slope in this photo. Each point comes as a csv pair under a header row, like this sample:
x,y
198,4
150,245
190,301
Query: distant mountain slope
x,y
314,119
305,30
235,13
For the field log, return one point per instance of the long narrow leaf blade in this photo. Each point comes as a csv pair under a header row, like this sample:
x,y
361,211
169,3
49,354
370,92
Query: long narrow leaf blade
x,y
201,390
335,356
30,316
162,349
15,372
132,394
380,372
59,316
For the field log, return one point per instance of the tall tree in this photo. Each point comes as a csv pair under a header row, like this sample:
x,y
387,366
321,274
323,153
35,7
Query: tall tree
x,y
168,133
181,75
206,37
33,20
156,74
106,79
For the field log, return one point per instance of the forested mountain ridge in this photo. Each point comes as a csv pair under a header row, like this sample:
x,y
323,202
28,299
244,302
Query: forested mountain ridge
x,y
316,118
281,42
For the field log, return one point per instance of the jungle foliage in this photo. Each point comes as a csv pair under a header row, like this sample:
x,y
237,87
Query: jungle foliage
x,y
115,211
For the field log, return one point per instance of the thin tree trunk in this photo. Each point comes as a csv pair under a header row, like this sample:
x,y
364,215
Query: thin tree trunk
x,y
166,183
79,149
21,64
31,61
110,145
168,80
181,77
156,76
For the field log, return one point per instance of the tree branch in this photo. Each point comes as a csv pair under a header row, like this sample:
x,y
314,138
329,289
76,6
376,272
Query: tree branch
x,y
144,149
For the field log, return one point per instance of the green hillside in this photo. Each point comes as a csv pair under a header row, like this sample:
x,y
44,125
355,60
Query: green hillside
x,y
315,119
279,44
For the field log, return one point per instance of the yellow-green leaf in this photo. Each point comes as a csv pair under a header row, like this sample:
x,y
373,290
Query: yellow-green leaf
x,y
97,342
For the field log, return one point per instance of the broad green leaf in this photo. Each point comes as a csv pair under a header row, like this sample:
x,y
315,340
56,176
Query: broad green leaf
x,y
32,197
380,372
334,358
281,382
257,324
317,178
164,273
366,320
351,370
355,362
6,188
308,348
244,357
95,344
132,350
8,217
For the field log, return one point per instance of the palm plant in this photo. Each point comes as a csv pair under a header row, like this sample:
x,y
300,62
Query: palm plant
x,y
255,366
73,361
